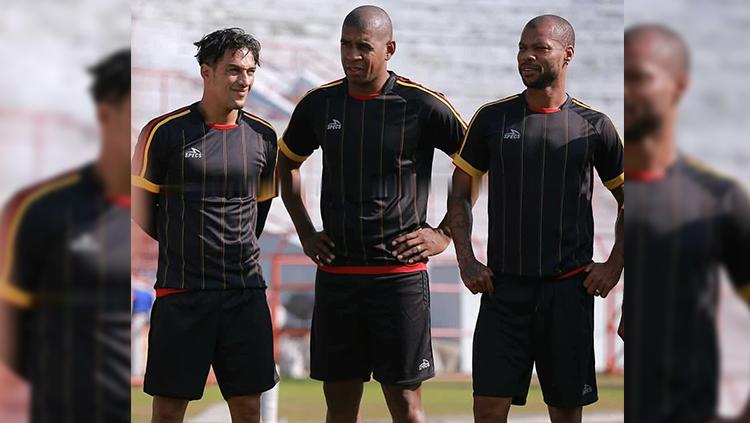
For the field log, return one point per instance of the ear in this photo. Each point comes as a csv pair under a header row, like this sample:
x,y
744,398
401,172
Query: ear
x,y
205,71
390,49
683,82
103,112
569,52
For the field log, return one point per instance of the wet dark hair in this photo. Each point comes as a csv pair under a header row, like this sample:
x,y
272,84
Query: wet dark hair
x,y
111,77
212,47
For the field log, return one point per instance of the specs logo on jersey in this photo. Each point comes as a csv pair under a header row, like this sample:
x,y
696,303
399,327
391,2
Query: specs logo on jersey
x,y
333,124
193,153
512,135
84,244
424,364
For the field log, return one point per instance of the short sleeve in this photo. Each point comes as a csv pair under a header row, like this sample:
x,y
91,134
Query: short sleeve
x,y
148,167
21,250
444,129
736,243
473,157
608,156
268,186
299,140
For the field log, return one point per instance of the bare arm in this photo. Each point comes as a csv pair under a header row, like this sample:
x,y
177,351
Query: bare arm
x,y
316,244
144,209
461,199
604,276
9,335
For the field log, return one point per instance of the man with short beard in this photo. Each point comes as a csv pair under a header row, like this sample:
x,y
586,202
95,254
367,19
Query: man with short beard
x,y
540,148
685,222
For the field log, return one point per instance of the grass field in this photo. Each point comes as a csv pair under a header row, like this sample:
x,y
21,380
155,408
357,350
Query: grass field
x,y
302,400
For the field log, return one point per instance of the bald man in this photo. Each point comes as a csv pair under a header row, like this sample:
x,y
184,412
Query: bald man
x,y
540,148
378,132
685,222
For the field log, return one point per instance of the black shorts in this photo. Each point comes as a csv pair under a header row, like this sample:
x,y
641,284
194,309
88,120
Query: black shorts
x,y
530,321
372,324
192,331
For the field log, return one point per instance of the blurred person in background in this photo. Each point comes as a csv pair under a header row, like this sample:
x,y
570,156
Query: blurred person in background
x,y
203,180
65,273
378,133
540,148
685,222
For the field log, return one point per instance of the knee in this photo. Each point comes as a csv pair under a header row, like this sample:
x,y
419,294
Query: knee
x,y
486,410
245,408
168,411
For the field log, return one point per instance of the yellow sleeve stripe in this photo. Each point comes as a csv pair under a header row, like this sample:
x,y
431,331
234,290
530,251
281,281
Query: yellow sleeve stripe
x,y
615,182
744,292
15,223
466,167
257,119
439,97
144,183
266,190
144,166
289,153
466,136
15,296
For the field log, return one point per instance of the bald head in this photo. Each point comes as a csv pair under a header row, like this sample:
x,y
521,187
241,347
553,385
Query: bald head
x,y
561,29
371,18
662,44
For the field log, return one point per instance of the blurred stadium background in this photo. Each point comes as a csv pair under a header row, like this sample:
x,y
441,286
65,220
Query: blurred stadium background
x,y
466,50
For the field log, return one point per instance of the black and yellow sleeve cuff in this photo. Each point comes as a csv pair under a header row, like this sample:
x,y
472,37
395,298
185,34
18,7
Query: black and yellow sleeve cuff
x,y
144,183
744,292
466,167
291,155
615,182
15,295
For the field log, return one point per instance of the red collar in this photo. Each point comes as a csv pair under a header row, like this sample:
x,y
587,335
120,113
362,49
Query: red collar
x,y
645,175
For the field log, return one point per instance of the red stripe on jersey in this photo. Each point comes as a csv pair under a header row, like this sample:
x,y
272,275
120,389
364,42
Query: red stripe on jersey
x,y
544,109
120,200
572,273
645,175
364,97
161,292
222,126
375,270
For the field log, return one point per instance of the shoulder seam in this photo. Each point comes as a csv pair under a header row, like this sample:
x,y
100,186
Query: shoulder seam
x,y
259,119
435,94
154,126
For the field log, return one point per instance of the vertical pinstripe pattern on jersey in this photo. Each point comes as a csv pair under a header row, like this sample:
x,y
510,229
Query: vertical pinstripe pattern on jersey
x,y
203,195
562,191
165,195
244,190
398,187
361,176
696,338
223,208
383,189
541,191
590,168
182,209
520,196
67,383
341,176
42,363
101,237
324,146
414,187
502,178
635,288
262,153
673,266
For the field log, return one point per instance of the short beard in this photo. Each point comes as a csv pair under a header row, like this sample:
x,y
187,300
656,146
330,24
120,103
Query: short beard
x,y
544,81
643,128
